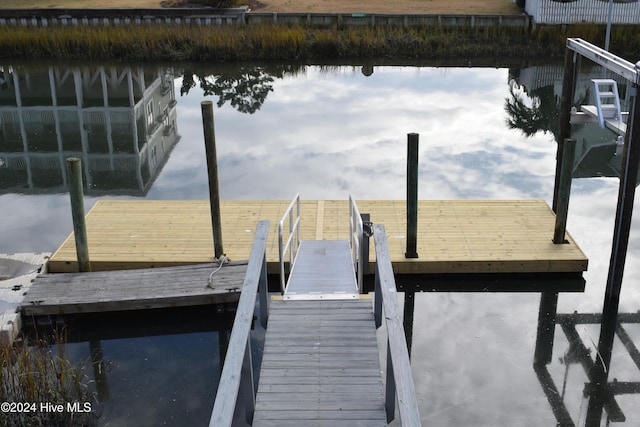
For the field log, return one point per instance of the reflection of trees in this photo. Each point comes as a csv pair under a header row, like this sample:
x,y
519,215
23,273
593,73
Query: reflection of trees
x,y
540,114
534,110
245,87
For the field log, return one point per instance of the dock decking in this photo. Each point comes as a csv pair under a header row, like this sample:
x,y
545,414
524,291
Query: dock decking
x,y
455,236
72,293
320,366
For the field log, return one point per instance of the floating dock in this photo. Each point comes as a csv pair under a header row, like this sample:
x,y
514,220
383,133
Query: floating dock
x,y
121,290
454,236
17,273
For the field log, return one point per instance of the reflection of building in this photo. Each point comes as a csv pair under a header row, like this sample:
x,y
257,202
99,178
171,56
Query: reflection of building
x,y
120,121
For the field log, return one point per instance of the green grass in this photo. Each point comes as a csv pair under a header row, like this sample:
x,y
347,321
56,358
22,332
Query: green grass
x,y
281,42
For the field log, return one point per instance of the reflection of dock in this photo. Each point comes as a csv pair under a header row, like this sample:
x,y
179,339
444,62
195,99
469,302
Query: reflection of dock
x,y
454,236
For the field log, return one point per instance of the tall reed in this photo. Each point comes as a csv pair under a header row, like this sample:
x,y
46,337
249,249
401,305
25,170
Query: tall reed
x,y
36,376
291,42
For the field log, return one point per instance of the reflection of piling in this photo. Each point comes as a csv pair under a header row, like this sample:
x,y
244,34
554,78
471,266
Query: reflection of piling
x,y
99,370
77,213
564,191
412,195
409,309
212,168
546,328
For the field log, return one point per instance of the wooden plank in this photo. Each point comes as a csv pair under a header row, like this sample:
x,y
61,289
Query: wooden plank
x,y
70,293
455,236
320,372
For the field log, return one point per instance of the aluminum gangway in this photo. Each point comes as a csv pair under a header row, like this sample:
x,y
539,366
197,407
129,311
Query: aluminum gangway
x,y
321,361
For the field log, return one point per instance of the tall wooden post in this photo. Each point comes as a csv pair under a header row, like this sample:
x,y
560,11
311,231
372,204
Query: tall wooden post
x,y
564,125
564,190
412,195
212,168
77,213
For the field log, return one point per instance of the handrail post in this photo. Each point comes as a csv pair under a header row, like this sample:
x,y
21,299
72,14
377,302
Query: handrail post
x,y
293,238
564,191
390,389
246,378
263,292
239,352
76,195
398,364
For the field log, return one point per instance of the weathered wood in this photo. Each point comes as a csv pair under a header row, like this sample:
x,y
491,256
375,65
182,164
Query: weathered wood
x,y
320,365
230,378
456,236
212,171
76,196
401,382
68,293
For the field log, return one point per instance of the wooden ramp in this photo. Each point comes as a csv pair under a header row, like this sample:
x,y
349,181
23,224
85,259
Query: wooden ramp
x,y
320,366
69,293
454,236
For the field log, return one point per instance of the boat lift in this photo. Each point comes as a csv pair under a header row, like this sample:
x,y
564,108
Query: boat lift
x,y
607,111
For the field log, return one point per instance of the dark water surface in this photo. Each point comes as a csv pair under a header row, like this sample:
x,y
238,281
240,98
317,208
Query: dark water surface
x,y
327,131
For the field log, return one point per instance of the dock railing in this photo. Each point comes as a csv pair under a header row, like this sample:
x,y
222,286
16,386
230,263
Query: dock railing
x,y
237,370
356,236
293,238
399,381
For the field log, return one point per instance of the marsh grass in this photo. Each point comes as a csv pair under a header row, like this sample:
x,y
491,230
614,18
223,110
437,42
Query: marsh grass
x,y
35,375
284,42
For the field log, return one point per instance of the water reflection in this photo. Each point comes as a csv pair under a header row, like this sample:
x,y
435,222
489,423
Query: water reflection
x,y
245,87
120,121
157,367
599,380
325,131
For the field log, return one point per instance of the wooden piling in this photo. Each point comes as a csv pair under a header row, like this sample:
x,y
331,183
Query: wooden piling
x,y
77,213
564,191
212,168
564,117
412,196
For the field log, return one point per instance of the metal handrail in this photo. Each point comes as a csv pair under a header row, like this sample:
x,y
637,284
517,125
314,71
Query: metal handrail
x,y
356,236
237,370
294,230
399,383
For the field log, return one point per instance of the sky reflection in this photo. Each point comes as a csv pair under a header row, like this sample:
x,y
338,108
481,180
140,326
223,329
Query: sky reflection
x,y
329,131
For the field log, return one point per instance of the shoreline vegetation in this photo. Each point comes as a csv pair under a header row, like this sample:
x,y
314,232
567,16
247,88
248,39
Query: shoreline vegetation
x,y
154,42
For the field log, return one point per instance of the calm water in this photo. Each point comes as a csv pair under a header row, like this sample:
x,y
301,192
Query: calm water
x,y
325,131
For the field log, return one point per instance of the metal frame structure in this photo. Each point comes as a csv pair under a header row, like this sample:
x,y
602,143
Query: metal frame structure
x,y
293,237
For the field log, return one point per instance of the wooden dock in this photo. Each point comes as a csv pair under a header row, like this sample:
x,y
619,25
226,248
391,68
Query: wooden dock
x,y
119,290
320,366
455,236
